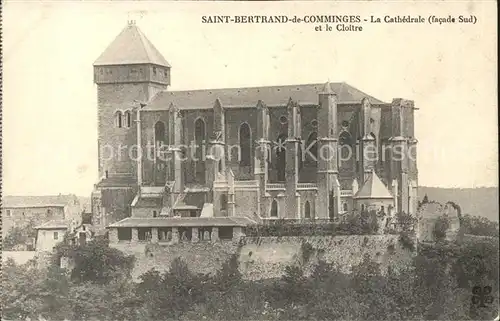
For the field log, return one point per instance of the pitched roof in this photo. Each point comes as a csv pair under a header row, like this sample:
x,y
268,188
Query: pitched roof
x,y
373,188
131,47
272,96
53,225
38,201
182,221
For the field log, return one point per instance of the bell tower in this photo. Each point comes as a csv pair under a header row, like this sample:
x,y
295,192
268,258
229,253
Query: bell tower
x,y
129,71
128,74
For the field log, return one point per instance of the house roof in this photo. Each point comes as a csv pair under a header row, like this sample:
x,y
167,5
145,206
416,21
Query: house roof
x,y
38,201
182,222
373,188
131,47
53,225
271,96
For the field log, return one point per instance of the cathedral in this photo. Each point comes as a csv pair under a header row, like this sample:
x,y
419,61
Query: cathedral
x,y
223,156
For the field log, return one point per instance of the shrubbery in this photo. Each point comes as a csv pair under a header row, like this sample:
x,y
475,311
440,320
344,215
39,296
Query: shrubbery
x,y
19,236
436,286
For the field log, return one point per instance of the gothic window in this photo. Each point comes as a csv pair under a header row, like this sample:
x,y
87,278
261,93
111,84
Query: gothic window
x,y
199,138
347,153
223,202
159,137
245,145
274,209
119,119
281,157
312,147
307,210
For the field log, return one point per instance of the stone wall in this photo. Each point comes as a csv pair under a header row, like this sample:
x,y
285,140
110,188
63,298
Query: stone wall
x,y
267,257
202,257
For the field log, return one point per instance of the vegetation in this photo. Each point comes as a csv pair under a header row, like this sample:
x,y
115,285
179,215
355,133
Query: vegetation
x,y
355,224
481,226
20,238
440,227
437,285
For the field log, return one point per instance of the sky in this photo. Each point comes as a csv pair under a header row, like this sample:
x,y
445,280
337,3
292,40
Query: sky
x,y
50,101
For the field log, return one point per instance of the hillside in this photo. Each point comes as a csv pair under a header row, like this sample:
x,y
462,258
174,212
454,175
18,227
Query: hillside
x,y
481,201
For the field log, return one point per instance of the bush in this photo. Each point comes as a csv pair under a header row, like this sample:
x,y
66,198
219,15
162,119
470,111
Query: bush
x,y
95,261
406,241
440,227
19,236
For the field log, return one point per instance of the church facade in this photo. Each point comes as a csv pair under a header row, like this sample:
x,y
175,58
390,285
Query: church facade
x,y
309,151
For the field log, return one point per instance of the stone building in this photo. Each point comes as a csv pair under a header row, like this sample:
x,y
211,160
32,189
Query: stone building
x,y
293,151
49,234
23,210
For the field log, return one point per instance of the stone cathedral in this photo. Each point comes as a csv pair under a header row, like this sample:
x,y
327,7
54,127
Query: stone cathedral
x,y
308,151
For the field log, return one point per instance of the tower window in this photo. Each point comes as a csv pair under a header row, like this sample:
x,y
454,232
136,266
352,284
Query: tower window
x,y
128,119
154,71
119,119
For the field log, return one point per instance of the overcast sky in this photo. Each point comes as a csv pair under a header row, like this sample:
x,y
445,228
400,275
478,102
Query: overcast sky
x,y
50,110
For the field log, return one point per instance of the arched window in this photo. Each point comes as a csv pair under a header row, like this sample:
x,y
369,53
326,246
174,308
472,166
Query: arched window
x,y
281,157
307,210
347,152
245,145
223,202
128,119
274,209
199,138
344,207
118,119
312,148
159,136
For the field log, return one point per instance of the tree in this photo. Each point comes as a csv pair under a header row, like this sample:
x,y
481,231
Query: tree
x,y
441,225
19,236
95,261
